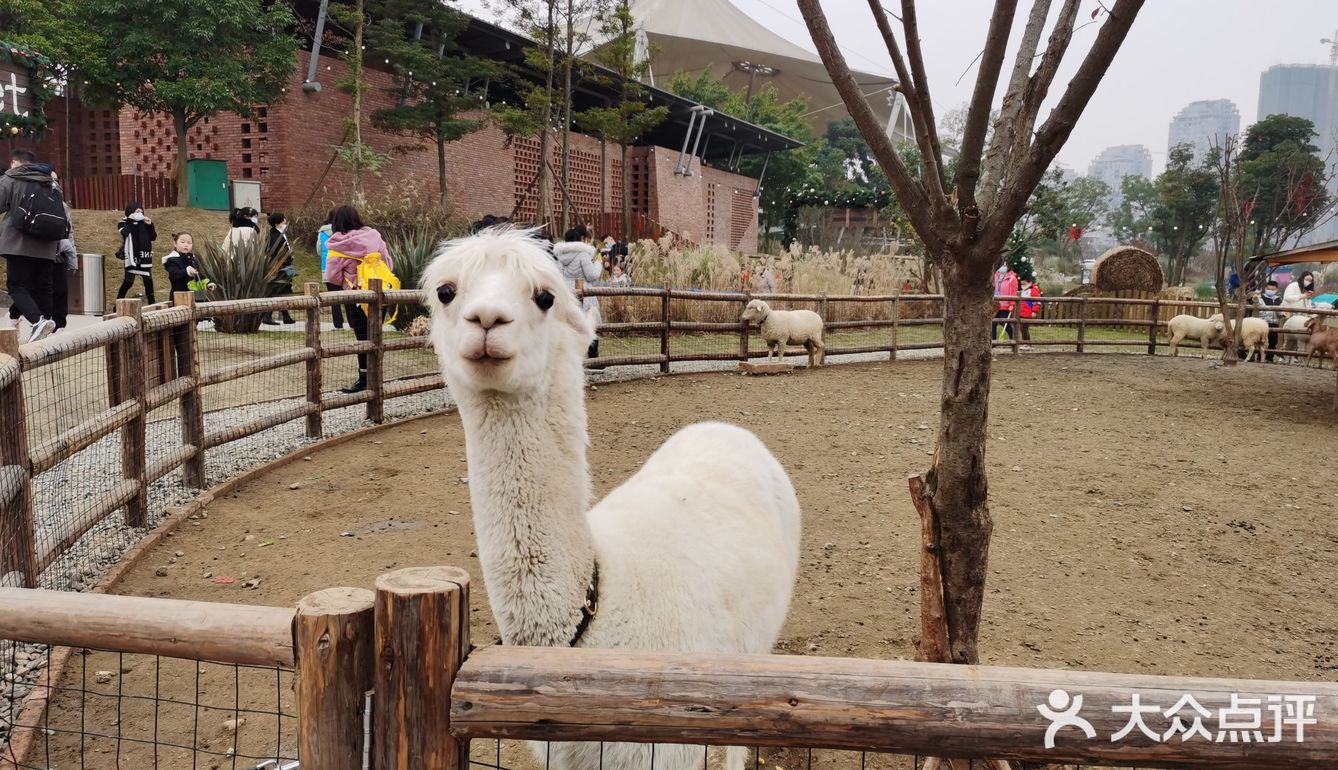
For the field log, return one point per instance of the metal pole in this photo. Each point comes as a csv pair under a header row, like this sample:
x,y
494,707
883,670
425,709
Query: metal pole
x,y
701,129
687,137
765,160
316,49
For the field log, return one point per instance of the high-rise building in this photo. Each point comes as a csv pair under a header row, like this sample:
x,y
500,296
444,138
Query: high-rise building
x,y
1307,91
1204,124
1115,163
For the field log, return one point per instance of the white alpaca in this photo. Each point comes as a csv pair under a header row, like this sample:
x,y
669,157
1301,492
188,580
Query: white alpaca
x,y
695,552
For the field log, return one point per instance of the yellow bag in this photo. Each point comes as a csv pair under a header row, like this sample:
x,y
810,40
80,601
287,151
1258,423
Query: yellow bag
x,y
372,266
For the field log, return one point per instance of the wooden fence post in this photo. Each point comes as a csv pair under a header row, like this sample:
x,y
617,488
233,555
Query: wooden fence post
x,y
192,401
314,364
1152,328
17,551
375,359
822,307
896,315
743,327
664,328
334,641
133,440
422,637
1082,324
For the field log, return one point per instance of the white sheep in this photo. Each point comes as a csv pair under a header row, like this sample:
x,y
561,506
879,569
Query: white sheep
x,y
1183,327
1293,335
697,551
1253,335
787,327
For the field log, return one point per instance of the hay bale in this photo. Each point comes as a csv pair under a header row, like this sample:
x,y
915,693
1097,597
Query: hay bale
x,y
1126,268
1179,293
1085,290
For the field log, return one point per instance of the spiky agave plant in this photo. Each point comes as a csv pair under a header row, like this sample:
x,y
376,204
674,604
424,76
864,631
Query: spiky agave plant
x,y
411,253
239,270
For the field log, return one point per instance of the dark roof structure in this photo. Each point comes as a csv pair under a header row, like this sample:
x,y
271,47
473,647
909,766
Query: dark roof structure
x,y
722,137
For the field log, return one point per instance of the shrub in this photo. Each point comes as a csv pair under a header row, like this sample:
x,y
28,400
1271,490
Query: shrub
x,y
401,212
411,253
243,271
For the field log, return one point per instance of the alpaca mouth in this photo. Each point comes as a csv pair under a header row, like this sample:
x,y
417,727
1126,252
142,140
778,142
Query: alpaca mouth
x,y
486,358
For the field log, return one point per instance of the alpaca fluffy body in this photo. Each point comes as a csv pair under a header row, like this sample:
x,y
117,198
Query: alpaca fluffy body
x,y
787,327
697,551
1184,327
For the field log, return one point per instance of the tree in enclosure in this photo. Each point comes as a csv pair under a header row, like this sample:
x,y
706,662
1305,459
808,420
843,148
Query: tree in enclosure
x,y
964,220
440,91
1175,213
625,121
186,59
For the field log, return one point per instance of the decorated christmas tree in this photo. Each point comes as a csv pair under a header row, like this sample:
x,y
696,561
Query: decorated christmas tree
x,y
25,90
1019,261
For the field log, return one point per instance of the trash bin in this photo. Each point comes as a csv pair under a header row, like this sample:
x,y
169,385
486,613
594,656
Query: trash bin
x,y
88,287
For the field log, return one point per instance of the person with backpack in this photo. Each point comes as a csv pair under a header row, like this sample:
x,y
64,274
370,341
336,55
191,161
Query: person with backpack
x,y
137,235
357,254
35,223
1029,288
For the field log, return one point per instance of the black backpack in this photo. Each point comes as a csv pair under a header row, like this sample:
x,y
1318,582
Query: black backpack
x,y
41,214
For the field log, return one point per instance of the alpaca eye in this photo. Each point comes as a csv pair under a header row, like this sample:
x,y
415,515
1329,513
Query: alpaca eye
x,y
445,293
544,299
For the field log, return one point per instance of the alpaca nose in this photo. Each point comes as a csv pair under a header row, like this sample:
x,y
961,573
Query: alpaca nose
x,y
488,314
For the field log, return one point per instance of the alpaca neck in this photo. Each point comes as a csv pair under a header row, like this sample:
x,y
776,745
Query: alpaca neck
x,y
530,487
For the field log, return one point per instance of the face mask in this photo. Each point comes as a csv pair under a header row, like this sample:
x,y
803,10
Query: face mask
x,y
283,227
255,220
138,216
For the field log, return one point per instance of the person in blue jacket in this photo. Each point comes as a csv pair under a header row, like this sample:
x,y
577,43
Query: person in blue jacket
x,y
322,248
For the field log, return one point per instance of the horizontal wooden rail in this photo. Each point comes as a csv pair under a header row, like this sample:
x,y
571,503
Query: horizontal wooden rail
x,y
561,694
342,400
257,366
70,344
339,298
219,438
624,291
337,349
649,358
253,306
168,391
52,452
406,343
629,326
164,319
873,323
412,385
855,350
72,529
218,633
731,356
703,326
168,462
405,297
9,370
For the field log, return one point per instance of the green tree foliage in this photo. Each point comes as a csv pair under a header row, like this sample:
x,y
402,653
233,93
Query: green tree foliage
x,y
624,122
786,171
437,85
1056,207
185,58
1174,214
1281,178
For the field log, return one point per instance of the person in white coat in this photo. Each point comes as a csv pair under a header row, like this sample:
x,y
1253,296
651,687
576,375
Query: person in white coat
x,y
580,264
1300,293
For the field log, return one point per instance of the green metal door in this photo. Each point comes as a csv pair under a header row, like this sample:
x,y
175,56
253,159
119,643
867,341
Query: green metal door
x,y
208,184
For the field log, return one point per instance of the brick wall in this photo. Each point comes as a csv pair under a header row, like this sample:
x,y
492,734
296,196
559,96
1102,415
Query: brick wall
x,y
289,147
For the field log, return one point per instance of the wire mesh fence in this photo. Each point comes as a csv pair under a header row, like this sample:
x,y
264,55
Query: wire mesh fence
x,y
114,710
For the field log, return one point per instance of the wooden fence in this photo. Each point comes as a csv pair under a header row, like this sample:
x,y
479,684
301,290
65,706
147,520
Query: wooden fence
x,y
115,191
153,360
432,692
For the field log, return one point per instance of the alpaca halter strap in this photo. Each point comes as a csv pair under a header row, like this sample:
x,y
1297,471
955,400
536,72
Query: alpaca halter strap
x,y
590,608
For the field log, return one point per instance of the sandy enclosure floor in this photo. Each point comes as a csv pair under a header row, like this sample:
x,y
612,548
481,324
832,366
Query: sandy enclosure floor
x,y
1151,515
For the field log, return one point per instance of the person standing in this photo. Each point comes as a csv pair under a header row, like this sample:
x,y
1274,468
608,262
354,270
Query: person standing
x,y
278,249
29,255
245,226
353,244
1005,285
137,236
1029,309
1270,298
323,247
580,264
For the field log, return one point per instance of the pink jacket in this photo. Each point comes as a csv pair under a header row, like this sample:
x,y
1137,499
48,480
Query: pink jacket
x,y
343,271
1005,286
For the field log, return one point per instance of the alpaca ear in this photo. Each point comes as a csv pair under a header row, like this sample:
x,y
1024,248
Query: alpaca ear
x,y
581,321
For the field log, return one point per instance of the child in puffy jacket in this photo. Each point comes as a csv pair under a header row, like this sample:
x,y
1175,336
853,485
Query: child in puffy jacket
x,y
1029,288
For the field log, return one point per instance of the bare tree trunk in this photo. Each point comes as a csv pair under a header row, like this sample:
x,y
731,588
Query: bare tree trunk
x,y
955,489
541,208
355,71
183,154
568,55
627,198
441,171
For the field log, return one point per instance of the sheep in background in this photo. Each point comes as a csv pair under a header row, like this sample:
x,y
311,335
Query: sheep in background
x,y
1253,335
787,327
1322,339
1206,331
1292,336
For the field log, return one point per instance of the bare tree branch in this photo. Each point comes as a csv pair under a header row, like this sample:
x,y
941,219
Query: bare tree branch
x,y
921,109
1039,86
910,26
1007,127
1052,135
909,192
978,114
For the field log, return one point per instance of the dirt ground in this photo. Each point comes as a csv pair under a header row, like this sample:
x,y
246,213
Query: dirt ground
x,y
1151,515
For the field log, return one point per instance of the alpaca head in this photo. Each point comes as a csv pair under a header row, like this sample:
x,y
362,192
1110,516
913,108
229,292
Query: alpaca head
x,y
755,312
501,315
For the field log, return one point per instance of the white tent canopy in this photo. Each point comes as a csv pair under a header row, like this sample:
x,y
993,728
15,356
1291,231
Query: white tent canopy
x,y
696,36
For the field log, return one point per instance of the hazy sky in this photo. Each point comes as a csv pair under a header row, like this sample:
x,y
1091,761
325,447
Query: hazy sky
x,y
1179,51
